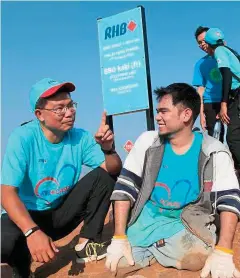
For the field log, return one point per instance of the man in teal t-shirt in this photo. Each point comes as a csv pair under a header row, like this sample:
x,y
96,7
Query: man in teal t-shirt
x,y
173,182
174,188
42,194
208,80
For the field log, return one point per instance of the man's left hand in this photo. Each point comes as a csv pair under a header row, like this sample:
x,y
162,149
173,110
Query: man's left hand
x,y
104,136
220,265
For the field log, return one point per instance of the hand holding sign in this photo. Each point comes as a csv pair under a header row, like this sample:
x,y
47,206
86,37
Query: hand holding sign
x,y
104,135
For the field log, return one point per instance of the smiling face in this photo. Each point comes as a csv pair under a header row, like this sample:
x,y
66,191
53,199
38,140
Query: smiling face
x,y
202,44
54,121
172,118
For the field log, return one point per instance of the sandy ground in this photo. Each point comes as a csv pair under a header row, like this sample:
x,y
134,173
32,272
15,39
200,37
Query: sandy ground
x,y
65,265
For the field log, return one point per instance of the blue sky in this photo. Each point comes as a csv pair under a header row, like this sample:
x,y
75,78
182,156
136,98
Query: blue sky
x,y
60,40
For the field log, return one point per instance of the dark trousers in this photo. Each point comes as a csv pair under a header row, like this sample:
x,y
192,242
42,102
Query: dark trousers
x,y
233,131
211,110
89,200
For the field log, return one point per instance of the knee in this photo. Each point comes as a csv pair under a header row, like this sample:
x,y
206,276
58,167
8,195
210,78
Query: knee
x,y
107,179
193,261
7,247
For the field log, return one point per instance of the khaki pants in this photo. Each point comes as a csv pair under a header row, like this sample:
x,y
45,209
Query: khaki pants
x,y
182,251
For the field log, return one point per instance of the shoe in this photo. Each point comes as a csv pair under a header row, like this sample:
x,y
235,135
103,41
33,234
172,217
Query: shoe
x,y
15,274
92,251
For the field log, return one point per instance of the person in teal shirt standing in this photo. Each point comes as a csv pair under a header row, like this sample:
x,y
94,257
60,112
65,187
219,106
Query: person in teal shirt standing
x,y
43,196
208,81
228,62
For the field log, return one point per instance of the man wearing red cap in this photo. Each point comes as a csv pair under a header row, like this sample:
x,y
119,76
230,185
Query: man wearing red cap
x,y
43,196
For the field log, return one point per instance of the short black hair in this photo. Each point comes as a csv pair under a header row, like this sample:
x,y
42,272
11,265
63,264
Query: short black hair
x,y
41,102
200,30
182,93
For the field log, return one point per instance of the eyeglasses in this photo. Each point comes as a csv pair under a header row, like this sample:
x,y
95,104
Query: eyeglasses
x,y
62,111
201,42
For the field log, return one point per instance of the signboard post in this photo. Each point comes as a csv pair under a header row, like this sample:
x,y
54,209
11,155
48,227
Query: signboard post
x,y
125,71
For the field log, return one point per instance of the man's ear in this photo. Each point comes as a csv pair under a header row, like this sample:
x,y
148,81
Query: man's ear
x,y
39,115
187,115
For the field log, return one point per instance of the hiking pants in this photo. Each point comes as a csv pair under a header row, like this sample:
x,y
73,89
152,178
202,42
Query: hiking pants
x,y
211,110
89,200
182,251
233,131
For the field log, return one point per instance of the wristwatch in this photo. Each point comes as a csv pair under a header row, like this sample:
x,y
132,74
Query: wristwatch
x,y
108,152
31,231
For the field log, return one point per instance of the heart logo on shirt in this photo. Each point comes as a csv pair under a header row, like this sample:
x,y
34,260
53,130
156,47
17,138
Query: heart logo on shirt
x,y
177,196
50,186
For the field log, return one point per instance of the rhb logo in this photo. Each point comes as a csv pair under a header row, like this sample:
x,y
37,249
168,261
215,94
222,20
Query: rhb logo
x,y
119,29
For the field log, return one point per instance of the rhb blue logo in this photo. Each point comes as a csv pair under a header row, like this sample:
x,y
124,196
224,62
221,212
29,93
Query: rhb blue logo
x,y
119,29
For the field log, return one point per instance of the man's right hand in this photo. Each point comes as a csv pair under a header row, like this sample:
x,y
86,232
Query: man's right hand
x,y
223,114
203,121
118,249
41,247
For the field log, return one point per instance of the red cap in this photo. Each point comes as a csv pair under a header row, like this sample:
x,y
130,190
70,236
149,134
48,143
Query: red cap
x,y
69,87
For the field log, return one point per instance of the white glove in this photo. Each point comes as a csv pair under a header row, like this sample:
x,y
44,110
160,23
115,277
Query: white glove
x,y
221,265
118,249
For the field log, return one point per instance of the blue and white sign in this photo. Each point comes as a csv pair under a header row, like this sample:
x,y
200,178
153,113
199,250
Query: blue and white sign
x,y
123,64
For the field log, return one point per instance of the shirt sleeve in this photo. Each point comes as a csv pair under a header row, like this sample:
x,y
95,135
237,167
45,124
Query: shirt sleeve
x,y
221,57
198,79
15,161
130,180
92,155
226,187
225,177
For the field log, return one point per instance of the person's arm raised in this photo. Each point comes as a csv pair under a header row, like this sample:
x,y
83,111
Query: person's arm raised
x,y
105,137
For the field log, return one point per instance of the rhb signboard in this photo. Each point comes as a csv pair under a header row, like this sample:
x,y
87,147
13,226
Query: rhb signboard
x,y
123,62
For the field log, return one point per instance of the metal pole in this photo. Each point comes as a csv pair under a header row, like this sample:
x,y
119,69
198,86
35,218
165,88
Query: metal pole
x,y
110,117
110,123
149,112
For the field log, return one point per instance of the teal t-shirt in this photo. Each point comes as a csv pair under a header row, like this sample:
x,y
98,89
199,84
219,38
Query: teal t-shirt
x,y
226,59
207,75
45,172
176,185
